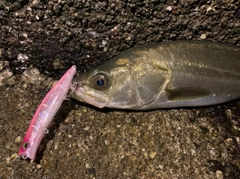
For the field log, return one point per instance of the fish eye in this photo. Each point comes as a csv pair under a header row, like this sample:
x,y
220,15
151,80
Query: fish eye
x,y
100,81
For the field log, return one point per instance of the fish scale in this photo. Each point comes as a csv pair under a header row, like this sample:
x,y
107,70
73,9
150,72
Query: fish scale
x,y
165,75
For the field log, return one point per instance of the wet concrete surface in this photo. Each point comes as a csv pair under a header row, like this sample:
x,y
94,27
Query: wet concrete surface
x,y
39,40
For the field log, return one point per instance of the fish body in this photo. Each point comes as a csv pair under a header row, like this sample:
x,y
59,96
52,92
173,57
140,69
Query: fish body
x,y
164,75
44,115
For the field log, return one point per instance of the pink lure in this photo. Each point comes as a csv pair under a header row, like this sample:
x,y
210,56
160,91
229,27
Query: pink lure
x,y
44,115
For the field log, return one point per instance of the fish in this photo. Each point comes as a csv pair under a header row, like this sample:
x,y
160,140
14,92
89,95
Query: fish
x,y
44,115
173,74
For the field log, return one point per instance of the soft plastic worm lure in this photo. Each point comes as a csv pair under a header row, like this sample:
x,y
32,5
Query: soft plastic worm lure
x,y
44,115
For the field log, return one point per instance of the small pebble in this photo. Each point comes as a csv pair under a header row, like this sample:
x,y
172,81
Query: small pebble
x,y
22,57
169,8
203,36
219,174
18,139
152,154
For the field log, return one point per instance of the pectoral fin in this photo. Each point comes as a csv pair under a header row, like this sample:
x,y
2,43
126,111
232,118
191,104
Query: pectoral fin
x,y
187,93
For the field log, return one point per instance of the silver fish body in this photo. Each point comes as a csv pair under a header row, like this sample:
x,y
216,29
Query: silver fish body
x,y
164,75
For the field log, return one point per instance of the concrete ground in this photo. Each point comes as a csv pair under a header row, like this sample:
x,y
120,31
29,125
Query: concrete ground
x,y
40,40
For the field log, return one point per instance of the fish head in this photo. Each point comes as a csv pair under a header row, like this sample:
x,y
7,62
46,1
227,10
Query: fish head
x,y
110,85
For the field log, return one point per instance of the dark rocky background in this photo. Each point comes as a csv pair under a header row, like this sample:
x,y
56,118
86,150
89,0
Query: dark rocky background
x,y
40,40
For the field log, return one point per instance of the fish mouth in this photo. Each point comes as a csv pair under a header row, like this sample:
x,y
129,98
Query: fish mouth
x,y
81,94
